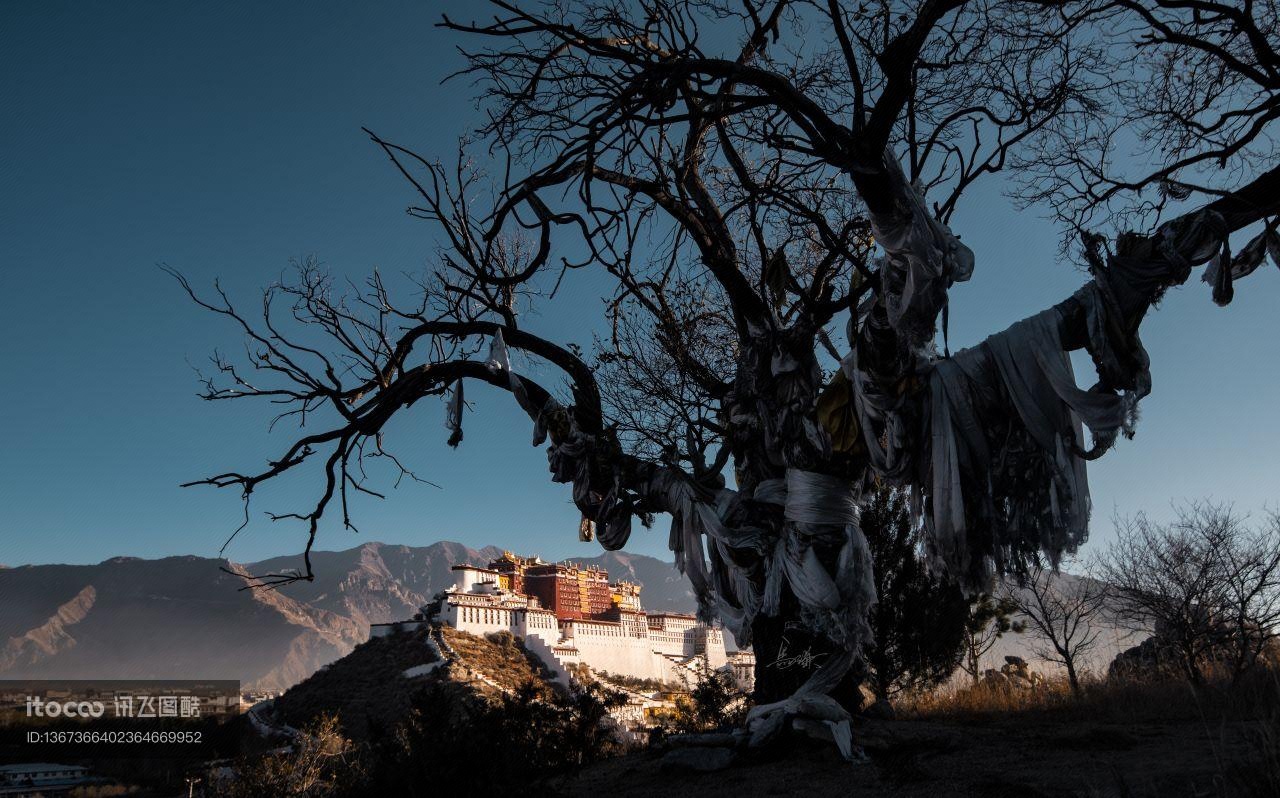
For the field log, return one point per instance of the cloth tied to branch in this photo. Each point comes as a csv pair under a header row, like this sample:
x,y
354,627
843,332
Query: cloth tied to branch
x,y
453,415
922,259
810,708
994,447
819,510
1224,269
722,588
499,362
1005,474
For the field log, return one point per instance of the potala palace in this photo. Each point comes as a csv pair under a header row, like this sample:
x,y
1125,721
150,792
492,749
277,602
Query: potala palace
x,y
569,615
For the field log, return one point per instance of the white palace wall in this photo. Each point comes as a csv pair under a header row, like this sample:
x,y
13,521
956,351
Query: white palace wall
x,y
610,647
651,647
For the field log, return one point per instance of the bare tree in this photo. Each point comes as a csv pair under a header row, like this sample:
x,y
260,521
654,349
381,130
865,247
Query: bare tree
x,y
1206,586
1197,108
1251,598
1063,612
751,179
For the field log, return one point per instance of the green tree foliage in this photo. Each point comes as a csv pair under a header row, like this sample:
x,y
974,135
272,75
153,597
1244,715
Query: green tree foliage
x,y
714,702
919,620
989,619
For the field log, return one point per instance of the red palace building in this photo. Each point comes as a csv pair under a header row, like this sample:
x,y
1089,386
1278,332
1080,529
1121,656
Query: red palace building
x,y
570,591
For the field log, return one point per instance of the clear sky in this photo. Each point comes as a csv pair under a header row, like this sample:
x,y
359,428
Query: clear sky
x,y
224,140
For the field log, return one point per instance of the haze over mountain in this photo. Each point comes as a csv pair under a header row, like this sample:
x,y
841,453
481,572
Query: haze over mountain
x,y
183,617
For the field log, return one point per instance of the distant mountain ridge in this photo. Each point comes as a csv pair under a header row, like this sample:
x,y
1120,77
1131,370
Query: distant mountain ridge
x,y
184,617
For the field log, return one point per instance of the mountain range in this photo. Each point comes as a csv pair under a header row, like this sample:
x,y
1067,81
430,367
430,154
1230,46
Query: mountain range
x,y
187,618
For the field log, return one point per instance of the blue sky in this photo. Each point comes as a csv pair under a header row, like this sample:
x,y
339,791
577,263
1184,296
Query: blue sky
x,y
225,140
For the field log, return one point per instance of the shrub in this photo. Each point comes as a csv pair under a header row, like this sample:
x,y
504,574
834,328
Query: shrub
x,y
919,619
320,763
713,702
455,739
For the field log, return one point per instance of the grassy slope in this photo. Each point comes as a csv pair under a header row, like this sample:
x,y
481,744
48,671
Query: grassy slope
x,y
368,686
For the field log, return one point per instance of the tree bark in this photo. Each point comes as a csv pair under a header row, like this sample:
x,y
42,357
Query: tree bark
x,y
1072,677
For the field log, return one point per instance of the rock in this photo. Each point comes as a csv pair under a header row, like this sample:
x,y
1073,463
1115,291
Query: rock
x,y
994,678
875,739
707,740
817,729
1014,673
701,759
915,736
880,710
1153,658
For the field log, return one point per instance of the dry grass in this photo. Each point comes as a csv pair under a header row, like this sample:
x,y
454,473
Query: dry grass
x,y
500,657
1257,770
1255,697
364,689
368,693
1240,722
1098,701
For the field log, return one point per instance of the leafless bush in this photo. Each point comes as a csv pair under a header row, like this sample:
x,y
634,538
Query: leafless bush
x,y
1207,585
1061,614
320,762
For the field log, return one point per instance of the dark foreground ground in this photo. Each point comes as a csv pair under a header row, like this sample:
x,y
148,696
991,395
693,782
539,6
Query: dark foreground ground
x,y
990,758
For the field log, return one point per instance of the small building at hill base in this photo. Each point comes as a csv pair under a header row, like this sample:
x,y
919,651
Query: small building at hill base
x,y
41,778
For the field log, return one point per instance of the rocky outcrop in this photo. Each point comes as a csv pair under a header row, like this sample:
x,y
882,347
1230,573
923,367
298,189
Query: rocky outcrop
x,y
50,637
1015,674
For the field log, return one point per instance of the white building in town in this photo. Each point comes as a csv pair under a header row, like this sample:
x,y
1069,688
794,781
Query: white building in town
x,y
41,778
